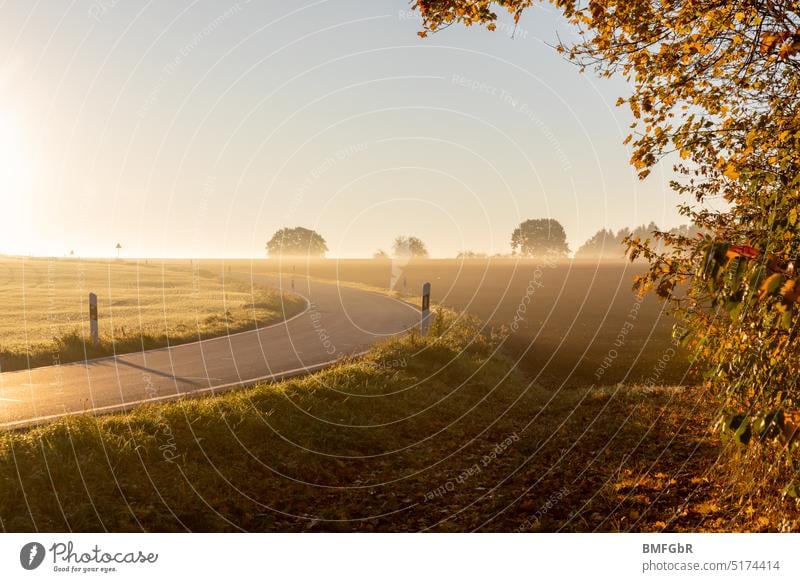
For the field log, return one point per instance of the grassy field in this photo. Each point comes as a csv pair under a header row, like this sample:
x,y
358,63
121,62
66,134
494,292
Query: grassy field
x,y
439,433
498,427
572,324
44,303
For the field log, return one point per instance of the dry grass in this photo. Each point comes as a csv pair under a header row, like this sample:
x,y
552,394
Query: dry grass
x,y
44,303
753,484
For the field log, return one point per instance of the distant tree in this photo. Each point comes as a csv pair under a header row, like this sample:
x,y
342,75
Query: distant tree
x,y
409,246
540,237
380,254
606,245
687,230
603,245
471,255
296,241
645,231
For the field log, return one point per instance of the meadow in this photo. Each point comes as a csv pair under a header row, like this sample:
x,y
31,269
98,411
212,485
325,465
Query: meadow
x,y
44,303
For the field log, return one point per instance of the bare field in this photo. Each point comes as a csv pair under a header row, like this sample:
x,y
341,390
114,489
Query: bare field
x,y
44,303
572,324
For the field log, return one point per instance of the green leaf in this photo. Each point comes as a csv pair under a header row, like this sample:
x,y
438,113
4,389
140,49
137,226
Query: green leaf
x,y
772,284
756,277
791,490
786,318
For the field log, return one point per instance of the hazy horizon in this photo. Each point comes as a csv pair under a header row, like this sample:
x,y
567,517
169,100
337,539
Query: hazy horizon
x,y
328,257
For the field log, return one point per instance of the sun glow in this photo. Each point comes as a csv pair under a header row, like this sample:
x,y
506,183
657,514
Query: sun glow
x,y
16,178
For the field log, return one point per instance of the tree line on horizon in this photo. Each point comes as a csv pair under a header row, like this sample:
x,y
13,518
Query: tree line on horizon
x,y
543,238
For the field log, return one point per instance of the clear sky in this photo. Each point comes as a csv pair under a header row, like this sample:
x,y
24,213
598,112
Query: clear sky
x,y
196,128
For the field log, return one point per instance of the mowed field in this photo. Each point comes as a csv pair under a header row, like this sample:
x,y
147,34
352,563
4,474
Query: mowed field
x,y
570,324
141,305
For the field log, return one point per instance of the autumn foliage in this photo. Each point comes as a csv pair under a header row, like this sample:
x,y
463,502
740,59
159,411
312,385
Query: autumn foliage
x,y
716,84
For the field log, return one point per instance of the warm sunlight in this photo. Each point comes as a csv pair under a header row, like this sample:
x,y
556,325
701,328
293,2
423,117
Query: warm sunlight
x,y
16,176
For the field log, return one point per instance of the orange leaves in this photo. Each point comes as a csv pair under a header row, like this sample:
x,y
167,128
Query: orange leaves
x,y
597,10
743,251
789,49
731,171
769,42
791,291
770,285
785,44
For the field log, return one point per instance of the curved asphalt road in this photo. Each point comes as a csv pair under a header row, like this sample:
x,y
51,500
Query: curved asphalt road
x,y
339,321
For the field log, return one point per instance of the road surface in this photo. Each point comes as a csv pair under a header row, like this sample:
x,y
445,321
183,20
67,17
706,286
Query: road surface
x,y
338,321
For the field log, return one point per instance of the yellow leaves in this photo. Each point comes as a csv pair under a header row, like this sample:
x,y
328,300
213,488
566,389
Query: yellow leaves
x,y
770,285
786,43
731,171
791,290
706,508
739,16
597,10
768,42
789,49
792,217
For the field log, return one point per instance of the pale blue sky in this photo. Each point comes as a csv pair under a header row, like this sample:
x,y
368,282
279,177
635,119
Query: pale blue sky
x,y
197,128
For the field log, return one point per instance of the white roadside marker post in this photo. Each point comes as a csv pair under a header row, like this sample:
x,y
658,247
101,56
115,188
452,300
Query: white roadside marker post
x,y
93,328
425,322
